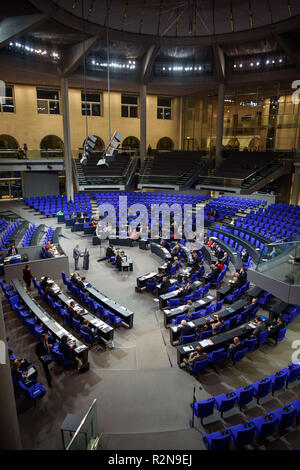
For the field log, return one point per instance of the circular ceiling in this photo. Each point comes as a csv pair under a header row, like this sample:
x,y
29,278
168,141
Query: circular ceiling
x,y
181,18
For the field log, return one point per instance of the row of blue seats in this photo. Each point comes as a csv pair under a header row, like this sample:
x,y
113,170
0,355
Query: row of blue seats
x,y
28,235
7,235
260,428
244,395
49,235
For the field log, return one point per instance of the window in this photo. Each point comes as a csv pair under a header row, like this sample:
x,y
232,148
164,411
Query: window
x,y
7,103
47,101
91,104
129,106
163,108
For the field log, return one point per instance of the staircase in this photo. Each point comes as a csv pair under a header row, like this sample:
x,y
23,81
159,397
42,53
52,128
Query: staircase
x,y
265,175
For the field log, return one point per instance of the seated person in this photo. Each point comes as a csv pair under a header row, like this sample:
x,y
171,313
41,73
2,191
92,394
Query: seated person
x,y
244,255
219,266
276,327
175,262
235,281
165,244
211,276
168,265
185,329
109,252
66,347
235,347
191,309
197,355
48,253
260,327
87,329
50,290
72,312
75,278
12,251
44,283
206,327
81,284
28,377
224,259
216,326
243,276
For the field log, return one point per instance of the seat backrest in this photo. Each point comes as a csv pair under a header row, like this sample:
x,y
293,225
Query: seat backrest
x,y
239,355
188,339
245,436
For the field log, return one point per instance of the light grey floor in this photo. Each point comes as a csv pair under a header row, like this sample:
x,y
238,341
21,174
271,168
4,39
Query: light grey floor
x,y
143,398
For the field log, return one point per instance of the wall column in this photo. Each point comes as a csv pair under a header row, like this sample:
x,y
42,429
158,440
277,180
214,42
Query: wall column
x,y
67,137
9,426
180,123
219,139
143,121
296,185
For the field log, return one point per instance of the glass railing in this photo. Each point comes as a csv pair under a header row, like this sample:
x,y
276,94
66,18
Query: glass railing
x,y
220,181
281,261
87,435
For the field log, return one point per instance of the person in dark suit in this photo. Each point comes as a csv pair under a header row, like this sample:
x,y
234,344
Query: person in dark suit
x,y
87,329
12,251
185,329
44,282
243,276
276,327
66,347
50,290
164,287
224,259
43,351
49,254
81,284
109,252
235,347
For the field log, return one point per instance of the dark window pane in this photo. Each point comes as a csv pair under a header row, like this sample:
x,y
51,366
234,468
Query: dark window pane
x,y
159,113
42,106
9,91
129,99
164,102
96,109
85,109
167,113
93,97
54,107
124,111
133,111
48,94
8,107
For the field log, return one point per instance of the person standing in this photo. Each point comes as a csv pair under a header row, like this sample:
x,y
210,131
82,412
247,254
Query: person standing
x,y
43,351
76,255
27,276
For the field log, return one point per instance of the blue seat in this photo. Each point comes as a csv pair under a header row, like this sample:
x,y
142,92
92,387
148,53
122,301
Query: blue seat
x,y
219,305
215,357
264,426
198,366
173,303
285,416
224,403
262,388
241,435
59,358
238,356
197,294
250,343
217,440
33,392
203,408
64,278
187,298
244,395
262,337
293,373
188,339
296,405
76,325
278,380
87,338
177,320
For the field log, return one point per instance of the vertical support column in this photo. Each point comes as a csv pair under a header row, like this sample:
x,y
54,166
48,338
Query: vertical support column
x,y
296,185
221,96
180,122
143,121
67,137
9,426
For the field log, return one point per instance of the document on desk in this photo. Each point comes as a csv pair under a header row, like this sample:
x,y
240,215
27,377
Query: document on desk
x,y
206,342
209,297
188,348
252,325
190,323
167,311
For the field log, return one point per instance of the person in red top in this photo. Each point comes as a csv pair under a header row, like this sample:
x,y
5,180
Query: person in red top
x,y
27,276
220,265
